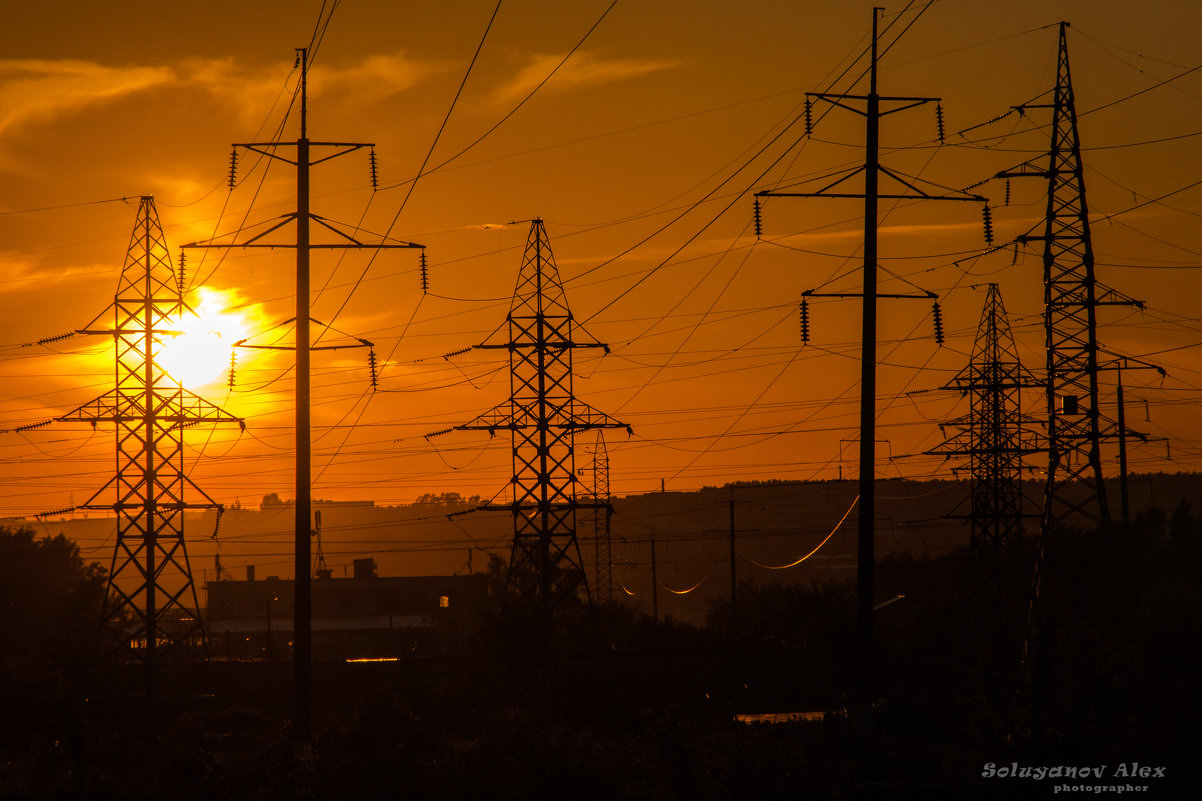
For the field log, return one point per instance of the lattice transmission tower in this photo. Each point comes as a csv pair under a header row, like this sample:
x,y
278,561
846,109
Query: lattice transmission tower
x,y
1072,295
994,438
599,517
543,417
151,607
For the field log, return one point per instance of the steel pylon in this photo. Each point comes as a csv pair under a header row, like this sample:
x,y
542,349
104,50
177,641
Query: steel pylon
x,y
994,438
599,516
543,417
1072,296
151,606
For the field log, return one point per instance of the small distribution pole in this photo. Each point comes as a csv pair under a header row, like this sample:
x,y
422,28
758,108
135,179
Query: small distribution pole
x,y
733,583
1124,497
654,585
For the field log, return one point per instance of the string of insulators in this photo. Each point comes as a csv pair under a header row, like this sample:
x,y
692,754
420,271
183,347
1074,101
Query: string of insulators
x,y
987,218
809,117
758,219
371,365
233,168
58,338
938,314
183,270
57,512
424,267
433,434
805,321
939,121
233,365
1007,201
375,171
1014,259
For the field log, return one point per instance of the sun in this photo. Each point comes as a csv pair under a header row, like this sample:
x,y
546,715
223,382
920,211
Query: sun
x,y
200,354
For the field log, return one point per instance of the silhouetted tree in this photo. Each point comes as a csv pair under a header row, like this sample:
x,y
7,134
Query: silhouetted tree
x,y
49,601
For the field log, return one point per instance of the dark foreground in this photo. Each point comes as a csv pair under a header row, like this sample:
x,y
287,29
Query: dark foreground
x,y
622,707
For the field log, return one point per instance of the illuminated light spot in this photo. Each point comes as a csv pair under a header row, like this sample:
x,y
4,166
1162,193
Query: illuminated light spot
x,y
200,354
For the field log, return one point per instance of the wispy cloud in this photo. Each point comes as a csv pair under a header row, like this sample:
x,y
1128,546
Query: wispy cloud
x,y
376,76
41,91
581,70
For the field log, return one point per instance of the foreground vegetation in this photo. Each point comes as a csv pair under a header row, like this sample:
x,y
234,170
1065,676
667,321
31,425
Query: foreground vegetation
x,y
626,707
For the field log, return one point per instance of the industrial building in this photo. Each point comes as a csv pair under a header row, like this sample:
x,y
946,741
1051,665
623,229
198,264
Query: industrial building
x,y
358,618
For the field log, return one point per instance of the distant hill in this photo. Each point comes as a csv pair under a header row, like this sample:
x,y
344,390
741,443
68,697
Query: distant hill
x,y
775,523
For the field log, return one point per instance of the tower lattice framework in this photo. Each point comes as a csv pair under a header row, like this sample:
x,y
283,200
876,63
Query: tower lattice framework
x,y
994,437
543,417
1072,295
151,605
599,518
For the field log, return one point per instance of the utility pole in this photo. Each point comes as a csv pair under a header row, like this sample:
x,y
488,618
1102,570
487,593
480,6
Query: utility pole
x,y
654,585
543,416
303,161
733,583
1124,497
872,112
151,607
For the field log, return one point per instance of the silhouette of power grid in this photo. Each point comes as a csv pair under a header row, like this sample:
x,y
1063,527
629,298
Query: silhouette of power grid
x,y
911,188
151,608
346,238
991,442
599,513
543,416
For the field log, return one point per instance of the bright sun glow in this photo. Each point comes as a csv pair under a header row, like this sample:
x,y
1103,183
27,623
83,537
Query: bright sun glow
x,y
201,354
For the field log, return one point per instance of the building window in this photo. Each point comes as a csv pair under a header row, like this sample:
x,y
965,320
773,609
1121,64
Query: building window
x,y
444,601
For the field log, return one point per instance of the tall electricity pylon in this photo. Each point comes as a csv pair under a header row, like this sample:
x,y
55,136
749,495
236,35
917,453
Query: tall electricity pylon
x,y
151,605
600,515
875,106
543,417
1072,296
994,437
300,154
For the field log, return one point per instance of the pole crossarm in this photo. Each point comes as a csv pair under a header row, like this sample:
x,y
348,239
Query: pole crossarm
x,y
837,100
345,239
810,293
360,342
180,406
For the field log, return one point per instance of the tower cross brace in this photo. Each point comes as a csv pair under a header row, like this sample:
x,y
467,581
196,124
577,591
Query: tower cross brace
x,y
543,417
151,607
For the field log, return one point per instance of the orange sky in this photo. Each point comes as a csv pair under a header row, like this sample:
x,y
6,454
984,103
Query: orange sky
x,y
632,153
